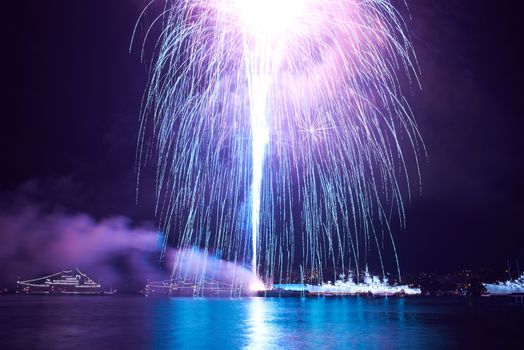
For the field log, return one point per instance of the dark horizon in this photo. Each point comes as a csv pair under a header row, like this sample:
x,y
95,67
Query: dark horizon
x,y
73,95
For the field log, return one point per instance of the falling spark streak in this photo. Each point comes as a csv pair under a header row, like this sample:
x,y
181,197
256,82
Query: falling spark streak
x,y
285,120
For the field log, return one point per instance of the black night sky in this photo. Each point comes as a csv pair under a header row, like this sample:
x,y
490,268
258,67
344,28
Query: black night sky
x,y
72,94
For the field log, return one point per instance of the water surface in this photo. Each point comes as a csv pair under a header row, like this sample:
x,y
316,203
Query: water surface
x,y
116,322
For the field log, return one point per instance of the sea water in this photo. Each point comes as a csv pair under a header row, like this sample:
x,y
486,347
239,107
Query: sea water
x,y
123,323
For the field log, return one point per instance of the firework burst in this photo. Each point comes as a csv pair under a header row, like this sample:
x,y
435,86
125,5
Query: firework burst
x,y
279,125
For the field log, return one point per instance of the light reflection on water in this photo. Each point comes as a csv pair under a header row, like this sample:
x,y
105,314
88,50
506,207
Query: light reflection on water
x,y
256,323
261,325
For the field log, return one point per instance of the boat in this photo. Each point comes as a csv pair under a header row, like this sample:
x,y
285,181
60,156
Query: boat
x,y
509,287
205,287
69,282
371,286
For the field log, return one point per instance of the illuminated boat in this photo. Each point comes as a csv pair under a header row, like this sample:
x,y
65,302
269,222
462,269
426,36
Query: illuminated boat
x,y
371,286
205,287
515,286
73,282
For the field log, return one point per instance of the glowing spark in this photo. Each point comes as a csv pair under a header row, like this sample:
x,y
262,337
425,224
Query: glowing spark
x,y
257,286
269,18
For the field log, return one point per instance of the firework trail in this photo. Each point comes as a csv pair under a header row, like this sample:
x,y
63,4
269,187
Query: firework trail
x,y
281,124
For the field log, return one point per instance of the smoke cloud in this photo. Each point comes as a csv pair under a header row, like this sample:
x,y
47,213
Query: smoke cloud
x,y
39,237
197,265
111,251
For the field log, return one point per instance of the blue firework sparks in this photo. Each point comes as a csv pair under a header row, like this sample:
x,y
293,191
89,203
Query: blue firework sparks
x,y
281,124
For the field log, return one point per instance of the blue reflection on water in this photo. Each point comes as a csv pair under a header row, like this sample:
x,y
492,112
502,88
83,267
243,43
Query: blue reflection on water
x,y
256,323
129,323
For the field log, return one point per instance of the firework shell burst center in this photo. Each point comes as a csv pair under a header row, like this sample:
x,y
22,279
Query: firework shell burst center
x,y
282,131
270,18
